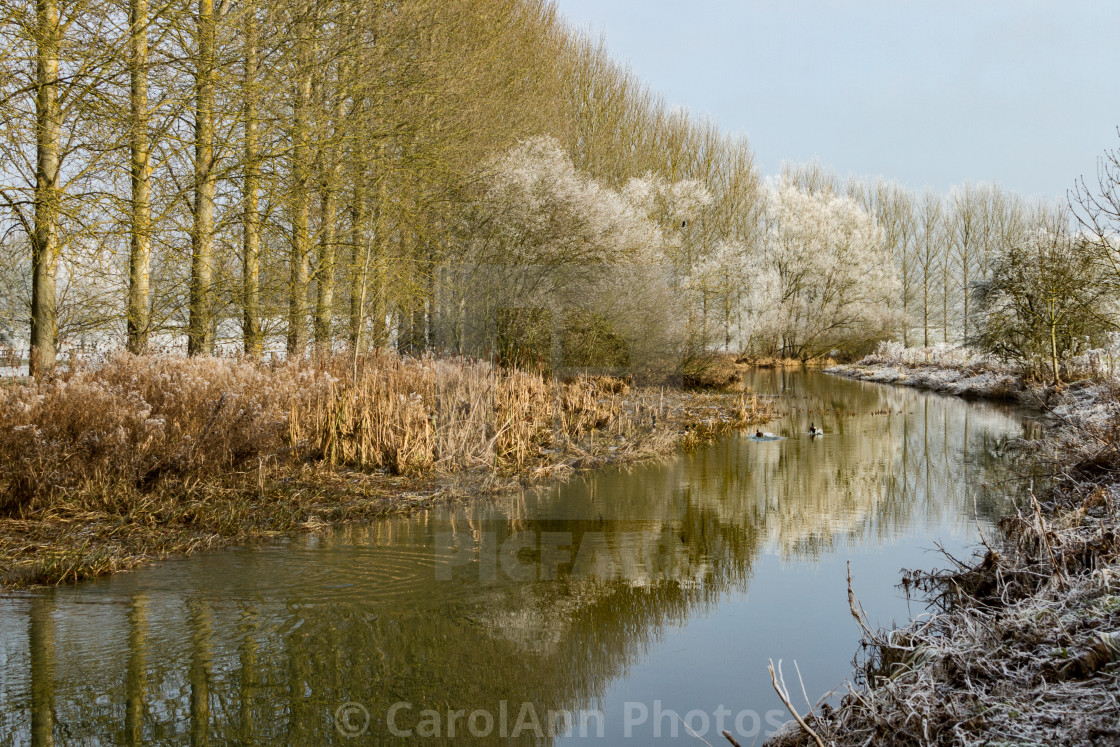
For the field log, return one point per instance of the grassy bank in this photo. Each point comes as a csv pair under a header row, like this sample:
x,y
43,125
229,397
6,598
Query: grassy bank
x,y
1023,642
112,465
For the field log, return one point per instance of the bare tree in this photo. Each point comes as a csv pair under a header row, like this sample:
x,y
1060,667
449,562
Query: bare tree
x,y
200,334
251,217
929,252
1043,301
1097,210
964,229
140,249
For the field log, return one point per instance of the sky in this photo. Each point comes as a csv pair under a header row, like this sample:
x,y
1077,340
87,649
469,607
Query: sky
x,y
933,93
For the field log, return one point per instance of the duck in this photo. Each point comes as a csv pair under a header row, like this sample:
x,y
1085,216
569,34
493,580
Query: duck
x,y
814,431
759,434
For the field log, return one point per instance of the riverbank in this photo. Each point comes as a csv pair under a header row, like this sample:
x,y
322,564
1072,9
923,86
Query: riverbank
x,y
1023,642
947,370
112,466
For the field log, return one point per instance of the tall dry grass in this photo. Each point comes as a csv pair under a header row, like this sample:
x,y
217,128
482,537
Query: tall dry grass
x,y
104,432
410,415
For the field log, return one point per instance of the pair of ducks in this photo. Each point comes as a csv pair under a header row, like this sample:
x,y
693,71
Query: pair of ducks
x,y
814,431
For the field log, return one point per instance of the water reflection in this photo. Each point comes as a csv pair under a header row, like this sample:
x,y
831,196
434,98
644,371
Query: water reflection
x,y
571,598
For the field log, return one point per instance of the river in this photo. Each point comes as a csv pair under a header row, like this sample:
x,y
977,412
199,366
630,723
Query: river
x,y
622,602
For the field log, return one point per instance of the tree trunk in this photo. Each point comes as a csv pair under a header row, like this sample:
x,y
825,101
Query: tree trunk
x,y
251,249
45,242
905,319
324,300
964,290
432,337
1054,345
140,249
328,230
925,309
359,257
945,303
301,148
380,332
200,335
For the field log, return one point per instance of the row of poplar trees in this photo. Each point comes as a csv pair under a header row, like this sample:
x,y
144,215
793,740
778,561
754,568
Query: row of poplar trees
x,y
293,169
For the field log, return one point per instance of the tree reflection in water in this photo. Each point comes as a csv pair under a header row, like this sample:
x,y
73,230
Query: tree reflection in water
x,y
262,645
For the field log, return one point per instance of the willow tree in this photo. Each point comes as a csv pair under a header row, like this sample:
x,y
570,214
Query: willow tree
x,y
827,277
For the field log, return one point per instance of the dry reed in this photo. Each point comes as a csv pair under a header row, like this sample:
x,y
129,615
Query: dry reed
x,y
151,456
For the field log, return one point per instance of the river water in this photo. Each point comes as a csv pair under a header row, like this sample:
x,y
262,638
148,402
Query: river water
x,y
622,602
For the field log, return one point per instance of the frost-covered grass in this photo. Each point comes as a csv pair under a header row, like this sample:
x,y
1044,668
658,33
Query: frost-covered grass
x,y
941,368
1100,363
1090,400
942,355
1023,645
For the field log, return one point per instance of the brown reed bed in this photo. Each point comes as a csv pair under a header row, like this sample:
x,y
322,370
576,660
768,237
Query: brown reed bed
x,y
772,361
109,466
1022,645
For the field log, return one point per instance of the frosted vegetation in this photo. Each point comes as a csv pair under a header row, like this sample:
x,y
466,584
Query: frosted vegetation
x,y
280,178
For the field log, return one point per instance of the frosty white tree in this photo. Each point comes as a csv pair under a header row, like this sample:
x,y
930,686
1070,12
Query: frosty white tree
x,y
826,279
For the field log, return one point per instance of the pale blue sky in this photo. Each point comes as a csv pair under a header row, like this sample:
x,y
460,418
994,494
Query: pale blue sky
x,y
935,93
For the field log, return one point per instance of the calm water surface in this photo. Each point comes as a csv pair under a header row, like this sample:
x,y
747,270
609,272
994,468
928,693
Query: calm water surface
x,y
621,594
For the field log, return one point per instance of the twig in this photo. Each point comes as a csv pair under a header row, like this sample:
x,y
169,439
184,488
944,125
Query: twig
x,y
779,683
1042,531
859,614
690,731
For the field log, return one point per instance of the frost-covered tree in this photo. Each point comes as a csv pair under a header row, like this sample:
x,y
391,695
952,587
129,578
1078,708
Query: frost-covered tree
x,y
895,216
1044,301
722,279
550,245
825,280
930,256
542,211
689,250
